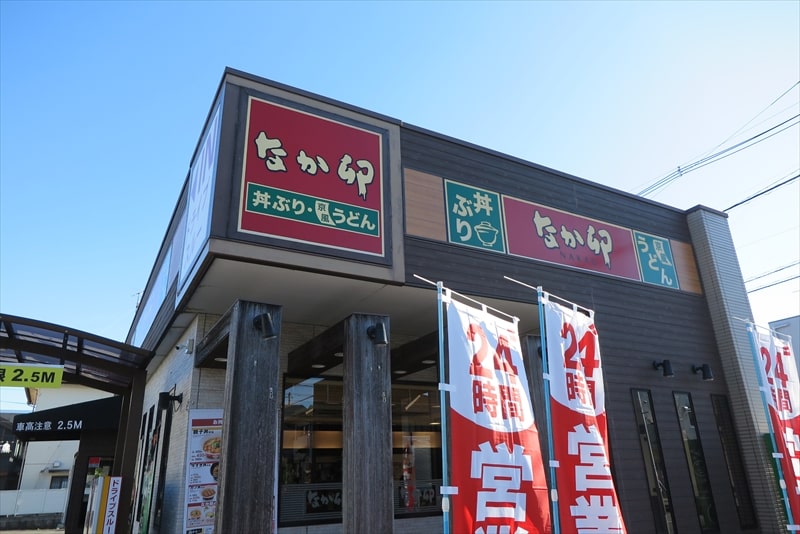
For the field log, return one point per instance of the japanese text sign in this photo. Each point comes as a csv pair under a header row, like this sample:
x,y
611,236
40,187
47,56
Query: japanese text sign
x,y
474,217
311,179
199,196
588,498
542,233
655,259
112,505
780,386
497,463
50,425
202,470
30,375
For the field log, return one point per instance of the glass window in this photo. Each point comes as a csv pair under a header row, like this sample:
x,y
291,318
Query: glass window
x,y
733,460
311,453
703,499
417,449
660,499
59,482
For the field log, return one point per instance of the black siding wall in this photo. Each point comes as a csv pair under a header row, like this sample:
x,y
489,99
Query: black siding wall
x,y
637,323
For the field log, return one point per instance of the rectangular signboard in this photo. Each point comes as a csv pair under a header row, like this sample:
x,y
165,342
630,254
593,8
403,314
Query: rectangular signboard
x,y
474,217
655,260
542,233
29,375
312,179
199,196
203,453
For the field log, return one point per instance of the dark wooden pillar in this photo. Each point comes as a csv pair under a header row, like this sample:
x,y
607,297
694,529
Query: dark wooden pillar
x,y
127,446
251,422
367,463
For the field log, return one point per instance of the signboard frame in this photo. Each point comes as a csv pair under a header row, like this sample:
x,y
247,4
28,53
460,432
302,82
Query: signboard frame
x,y
346,185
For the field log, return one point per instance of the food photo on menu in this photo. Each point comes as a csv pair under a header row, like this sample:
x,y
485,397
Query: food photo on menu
x,y
202,471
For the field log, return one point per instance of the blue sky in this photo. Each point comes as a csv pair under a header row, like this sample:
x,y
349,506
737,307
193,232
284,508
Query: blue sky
x,y
101,104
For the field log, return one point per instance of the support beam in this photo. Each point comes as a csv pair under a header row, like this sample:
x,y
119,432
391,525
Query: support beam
x,y
320,350
252,416
367,463
127,445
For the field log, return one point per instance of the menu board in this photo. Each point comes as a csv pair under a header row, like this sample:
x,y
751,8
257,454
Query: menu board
x,y
202,470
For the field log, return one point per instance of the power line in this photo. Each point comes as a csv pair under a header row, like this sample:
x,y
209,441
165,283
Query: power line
x,y
774,284
748,199
779,269
680,171
756,116
742,128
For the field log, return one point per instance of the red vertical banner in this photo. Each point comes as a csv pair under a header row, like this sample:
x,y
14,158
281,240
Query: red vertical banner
x,y
496,462
587,499
780,386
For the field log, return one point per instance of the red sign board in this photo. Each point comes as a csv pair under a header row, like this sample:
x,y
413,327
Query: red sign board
x,y
542,233
312,179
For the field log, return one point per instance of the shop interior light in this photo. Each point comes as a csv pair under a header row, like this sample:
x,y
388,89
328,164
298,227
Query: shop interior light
x,y
666,367
706,371
377,333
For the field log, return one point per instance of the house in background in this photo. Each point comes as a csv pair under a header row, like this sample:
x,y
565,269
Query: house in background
x,y
10,463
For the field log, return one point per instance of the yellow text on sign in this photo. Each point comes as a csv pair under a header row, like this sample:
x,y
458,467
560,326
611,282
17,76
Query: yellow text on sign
x,y
31,375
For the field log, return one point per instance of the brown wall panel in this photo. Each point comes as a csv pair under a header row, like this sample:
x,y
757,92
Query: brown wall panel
x,y
424,205
685,265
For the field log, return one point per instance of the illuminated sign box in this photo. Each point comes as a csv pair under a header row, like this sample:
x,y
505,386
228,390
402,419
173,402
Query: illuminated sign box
x,y
312,179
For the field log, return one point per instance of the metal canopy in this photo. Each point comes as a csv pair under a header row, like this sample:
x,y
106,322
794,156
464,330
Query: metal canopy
x,y
89,360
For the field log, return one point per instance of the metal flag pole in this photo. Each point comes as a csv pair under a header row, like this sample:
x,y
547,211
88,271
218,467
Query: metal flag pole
x,y
541,297
443,414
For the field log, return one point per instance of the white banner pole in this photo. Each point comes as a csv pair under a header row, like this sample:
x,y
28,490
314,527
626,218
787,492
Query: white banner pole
x,y
443,414
541,298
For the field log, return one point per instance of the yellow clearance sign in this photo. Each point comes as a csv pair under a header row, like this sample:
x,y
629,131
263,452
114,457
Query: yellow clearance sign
x,y
31,375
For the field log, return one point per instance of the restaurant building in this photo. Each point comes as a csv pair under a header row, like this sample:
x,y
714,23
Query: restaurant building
x,y
294,323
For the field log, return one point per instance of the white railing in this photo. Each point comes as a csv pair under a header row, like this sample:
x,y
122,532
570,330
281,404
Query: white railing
x,y
29,502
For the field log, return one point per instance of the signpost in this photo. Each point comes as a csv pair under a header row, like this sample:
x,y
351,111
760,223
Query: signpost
x,y
31,375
